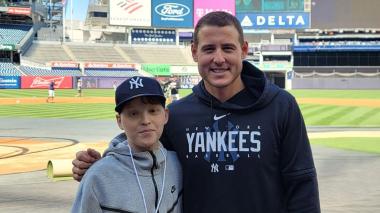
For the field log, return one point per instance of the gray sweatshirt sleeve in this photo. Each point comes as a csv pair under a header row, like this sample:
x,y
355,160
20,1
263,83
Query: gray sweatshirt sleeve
x,y
86,200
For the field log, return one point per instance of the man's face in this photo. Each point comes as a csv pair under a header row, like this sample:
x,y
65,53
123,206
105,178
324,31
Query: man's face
x,y
219,55
143,124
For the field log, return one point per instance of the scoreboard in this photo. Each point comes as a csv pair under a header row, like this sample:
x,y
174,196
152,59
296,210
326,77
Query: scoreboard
x,y
272,5
273,14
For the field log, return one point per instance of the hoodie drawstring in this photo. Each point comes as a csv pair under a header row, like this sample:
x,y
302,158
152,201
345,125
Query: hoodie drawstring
x,y
139,183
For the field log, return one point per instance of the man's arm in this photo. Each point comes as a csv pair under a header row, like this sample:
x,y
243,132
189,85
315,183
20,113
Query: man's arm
x,y
83,161
297,166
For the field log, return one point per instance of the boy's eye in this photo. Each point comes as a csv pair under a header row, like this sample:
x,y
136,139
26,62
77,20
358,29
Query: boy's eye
x,y
132,114
154,110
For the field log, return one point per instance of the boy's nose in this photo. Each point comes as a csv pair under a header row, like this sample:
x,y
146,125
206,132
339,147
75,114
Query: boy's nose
x,y
145,118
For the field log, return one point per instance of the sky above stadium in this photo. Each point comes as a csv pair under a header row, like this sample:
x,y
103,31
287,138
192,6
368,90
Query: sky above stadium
x,y
79,9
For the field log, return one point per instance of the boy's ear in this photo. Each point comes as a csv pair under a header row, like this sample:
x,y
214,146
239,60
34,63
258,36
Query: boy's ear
x,y
166,115
118,119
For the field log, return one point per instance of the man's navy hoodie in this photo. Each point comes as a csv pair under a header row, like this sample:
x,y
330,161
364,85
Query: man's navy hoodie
x,y
248,154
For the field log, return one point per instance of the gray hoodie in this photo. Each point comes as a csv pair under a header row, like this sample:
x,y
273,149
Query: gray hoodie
x,y
110,185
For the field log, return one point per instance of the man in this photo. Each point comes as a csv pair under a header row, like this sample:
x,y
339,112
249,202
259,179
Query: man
x,y
79,87
241,140
51,93
174,95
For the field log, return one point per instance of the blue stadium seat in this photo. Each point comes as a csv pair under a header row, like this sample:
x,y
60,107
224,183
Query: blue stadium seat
x,y
8,69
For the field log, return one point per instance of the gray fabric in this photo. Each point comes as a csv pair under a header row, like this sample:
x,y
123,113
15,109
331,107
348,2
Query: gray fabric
x,y
111,182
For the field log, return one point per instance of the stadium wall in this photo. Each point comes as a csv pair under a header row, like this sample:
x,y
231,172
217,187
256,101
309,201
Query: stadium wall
x,y
336,83
95,82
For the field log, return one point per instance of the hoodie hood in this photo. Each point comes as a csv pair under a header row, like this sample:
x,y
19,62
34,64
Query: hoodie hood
x,y
119,149
255,84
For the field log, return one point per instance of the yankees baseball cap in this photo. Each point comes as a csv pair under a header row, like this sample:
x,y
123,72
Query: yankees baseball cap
x,y
137,86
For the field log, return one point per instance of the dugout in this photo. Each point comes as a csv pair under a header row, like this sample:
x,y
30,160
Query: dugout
x,y
277,78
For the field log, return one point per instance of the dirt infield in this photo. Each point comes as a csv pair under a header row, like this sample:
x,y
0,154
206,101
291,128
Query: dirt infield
x,y
321,101
16,151
20,154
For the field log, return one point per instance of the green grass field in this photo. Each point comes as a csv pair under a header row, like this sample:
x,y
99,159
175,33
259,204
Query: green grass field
x,y
314,114
329,115
355,94
369,145
39,93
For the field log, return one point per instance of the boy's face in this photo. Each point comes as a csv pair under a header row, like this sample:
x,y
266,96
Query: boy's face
x,y
219,55
143,124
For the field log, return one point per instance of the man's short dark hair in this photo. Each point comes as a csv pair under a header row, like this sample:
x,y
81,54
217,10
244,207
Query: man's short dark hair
x,y
218,19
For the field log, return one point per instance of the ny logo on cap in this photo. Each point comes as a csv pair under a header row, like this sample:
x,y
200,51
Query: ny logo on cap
x,y
135,83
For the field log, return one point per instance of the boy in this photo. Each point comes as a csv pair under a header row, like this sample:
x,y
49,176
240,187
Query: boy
x,y
136,174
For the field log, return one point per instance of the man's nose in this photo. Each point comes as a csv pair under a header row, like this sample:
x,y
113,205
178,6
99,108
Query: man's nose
x,y
219,57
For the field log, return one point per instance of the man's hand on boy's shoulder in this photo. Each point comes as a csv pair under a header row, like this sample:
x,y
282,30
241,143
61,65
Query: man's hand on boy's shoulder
x,y
83,161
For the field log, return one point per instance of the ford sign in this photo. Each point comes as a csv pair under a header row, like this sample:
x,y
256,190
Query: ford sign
x,y
172,10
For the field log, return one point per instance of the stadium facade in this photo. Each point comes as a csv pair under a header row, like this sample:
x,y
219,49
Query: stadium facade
x,y
297,43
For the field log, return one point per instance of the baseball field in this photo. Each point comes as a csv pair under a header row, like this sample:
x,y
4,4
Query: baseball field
x,y
321,108
33,132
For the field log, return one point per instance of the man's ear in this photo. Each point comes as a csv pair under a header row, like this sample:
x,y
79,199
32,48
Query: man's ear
x,y
244,49
118,120
194,52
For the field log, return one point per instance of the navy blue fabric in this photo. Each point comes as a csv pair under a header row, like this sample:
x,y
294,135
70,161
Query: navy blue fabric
x,y
250,153
135,87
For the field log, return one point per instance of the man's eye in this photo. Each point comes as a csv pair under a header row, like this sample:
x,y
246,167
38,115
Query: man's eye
x,y
208,50
228,49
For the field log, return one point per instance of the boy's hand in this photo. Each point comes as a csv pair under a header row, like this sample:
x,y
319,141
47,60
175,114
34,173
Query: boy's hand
x,y
83,161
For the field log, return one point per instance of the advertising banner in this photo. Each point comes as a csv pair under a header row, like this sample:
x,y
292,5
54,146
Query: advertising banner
x,y
130,12
9,47
19,11
184,70
157,69
42,82
9,82
155,36
178,13
104,65
65,64
296,20
202,7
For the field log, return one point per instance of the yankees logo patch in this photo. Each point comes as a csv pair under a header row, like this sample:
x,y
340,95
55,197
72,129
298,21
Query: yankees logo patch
x,y
135,83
